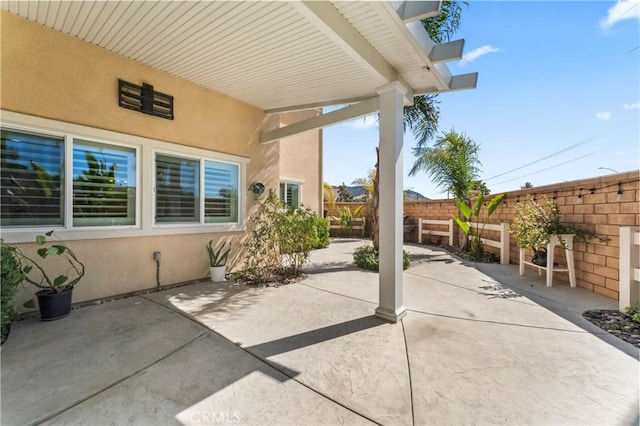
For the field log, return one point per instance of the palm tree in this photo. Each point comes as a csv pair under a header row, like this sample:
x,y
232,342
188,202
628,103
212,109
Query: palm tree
x,y
452,163
422,117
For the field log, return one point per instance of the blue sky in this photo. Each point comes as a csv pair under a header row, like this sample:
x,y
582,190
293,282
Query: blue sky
x,y
554,76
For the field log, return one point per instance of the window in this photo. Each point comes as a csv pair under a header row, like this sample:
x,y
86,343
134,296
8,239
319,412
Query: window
x,y
32,180
95,183
177,189
290,194
104,184
221,192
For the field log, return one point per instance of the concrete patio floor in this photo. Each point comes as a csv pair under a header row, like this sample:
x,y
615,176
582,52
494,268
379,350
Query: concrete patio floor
x,y
480,345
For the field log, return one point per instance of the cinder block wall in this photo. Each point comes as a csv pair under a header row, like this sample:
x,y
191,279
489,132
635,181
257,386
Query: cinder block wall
x,y
591,204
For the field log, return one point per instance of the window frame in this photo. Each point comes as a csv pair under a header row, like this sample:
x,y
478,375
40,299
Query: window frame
x,y
154,172
292,181
203,186
68,223
63,170
145,182
201,194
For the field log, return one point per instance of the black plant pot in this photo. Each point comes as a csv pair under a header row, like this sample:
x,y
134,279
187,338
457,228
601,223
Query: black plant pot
x,y
54,305
539,257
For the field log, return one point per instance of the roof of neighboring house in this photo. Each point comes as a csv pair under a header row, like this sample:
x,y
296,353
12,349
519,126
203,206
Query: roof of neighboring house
x,y
359,192
414,196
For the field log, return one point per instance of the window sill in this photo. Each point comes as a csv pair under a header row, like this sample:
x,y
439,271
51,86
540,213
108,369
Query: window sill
x,y
28,235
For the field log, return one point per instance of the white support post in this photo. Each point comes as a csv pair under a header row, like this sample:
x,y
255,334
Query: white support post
x,y
391,204
629,274
505,242
451,232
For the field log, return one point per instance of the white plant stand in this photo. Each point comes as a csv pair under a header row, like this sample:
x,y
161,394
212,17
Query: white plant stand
x,y
550,268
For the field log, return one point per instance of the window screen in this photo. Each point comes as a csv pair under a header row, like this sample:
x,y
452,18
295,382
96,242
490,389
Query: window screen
x,y
220,192
177,189
104,184
290,194
31,180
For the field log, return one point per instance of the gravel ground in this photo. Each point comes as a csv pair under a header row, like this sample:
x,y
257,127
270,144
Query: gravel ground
x,y
617,323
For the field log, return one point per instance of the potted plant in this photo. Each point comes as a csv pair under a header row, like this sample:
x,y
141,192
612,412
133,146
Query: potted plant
x,y
535,224
218,260
10,278
54,296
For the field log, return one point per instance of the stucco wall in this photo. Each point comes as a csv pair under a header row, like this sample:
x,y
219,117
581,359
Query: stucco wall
x,y
47,74
301,159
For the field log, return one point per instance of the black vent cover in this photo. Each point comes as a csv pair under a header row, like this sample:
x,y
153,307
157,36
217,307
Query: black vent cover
x,y
145,99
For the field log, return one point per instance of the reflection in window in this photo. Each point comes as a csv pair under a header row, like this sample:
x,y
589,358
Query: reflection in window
x,y
220,192
104,184
177,189
31,180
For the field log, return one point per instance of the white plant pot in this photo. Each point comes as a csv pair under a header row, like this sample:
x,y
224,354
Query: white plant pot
x,y
217,273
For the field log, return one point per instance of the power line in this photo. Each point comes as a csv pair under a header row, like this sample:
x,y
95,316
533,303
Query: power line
x,y
553,154
629,10
551,167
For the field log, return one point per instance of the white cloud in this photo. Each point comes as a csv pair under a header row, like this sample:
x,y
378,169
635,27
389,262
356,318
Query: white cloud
x,y
623,9
365,123
603,116
632,106
475,54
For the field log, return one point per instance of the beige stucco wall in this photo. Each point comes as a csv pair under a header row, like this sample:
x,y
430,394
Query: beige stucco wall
x,y
47,74
301,159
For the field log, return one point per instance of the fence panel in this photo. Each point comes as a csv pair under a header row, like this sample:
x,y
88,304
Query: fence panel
x,y
629,266
448,233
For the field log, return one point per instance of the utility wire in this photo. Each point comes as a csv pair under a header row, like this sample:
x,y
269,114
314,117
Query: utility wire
x,y
553,154
551,167
629,10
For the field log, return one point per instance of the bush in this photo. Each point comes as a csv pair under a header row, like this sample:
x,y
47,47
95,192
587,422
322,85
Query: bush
x,y
11,276
322,229
281,241
296,235
634,312
366,257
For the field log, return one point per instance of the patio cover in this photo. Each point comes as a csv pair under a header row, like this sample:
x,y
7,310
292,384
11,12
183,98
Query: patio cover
x,y
286,56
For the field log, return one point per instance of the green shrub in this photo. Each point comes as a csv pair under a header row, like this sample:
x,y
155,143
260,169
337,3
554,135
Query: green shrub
x,y
280,241
634,312
366,257
11,276
322,229
296,236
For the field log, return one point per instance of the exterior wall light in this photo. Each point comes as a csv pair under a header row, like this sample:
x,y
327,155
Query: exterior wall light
x,y
619,194
257,188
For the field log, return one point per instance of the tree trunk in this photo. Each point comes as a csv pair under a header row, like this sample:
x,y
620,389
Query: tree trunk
x,y
375,229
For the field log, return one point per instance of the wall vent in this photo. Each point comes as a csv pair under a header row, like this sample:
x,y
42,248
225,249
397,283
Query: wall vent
x,y
145,99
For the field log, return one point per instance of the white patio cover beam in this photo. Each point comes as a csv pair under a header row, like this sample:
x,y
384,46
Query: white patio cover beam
x,y
445,52
463,81
332,102
410,11
334,117
391,208
330,22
